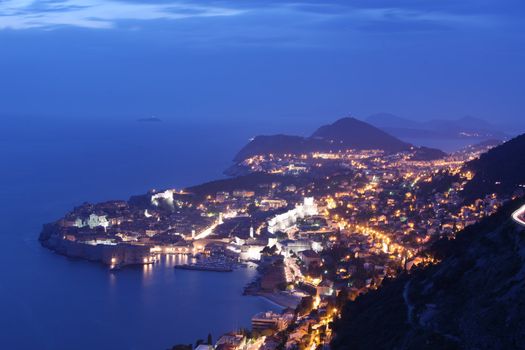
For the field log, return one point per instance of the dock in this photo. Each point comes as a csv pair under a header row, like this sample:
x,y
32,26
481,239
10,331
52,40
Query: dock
x,y
205,267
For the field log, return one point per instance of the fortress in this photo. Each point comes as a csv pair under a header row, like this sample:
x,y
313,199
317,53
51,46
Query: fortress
x,y
283,222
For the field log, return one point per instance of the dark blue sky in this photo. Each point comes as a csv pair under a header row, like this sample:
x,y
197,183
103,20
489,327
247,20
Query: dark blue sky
x,y
263,60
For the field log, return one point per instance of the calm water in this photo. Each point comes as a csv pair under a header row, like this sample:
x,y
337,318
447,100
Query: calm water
x,y
446,145
51,302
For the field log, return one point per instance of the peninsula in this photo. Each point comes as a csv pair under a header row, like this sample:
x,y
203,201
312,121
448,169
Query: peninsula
x,y
326,218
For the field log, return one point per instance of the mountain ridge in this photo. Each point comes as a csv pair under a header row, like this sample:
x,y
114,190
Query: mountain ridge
x,y
465,127
345,133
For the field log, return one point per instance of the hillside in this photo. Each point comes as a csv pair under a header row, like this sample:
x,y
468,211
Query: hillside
x,y
345,133
353,133
279,144
473,299
500,170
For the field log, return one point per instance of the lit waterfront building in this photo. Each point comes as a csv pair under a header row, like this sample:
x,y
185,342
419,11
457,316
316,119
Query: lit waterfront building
x,y
270,320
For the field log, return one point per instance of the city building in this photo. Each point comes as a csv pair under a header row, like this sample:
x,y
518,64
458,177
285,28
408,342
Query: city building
x,y
270,320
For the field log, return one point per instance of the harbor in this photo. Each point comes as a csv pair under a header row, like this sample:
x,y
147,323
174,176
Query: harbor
x,y
214,263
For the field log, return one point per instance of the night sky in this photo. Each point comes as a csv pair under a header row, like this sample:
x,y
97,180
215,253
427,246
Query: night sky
x,y
311,61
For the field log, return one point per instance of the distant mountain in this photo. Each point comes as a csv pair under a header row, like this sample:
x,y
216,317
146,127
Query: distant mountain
x,y
346,133
468,124
473,299
381,120
466,127
353,133
501,170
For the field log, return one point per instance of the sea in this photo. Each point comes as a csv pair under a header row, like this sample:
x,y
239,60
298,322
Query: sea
x,y
48,165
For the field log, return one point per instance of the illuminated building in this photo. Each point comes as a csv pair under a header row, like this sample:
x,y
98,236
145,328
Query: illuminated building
x,y
283,222
270,320
93,221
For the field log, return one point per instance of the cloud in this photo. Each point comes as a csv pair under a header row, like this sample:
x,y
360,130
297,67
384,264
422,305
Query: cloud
x,y
102,14
278,23
359,15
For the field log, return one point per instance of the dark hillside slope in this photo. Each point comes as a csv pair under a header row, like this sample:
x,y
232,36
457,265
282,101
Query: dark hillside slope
x,y
473,299
501,170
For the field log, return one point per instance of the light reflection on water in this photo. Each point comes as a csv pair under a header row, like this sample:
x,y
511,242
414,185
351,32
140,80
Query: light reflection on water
x,y
181,299
147,270
170,260
164,265
48,301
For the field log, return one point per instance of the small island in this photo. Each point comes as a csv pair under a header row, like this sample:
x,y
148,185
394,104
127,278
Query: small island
x,y
151,119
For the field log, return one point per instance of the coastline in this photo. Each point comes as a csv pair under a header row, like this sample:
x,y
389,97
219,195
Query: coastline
x,y
283,301
269,299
